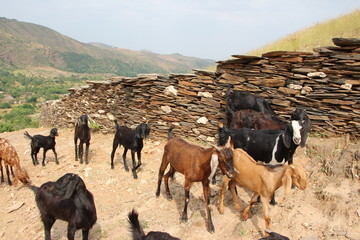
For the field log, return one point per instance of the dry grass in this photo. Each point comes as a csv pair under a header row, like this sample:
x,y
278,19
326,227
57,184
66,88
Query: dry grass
x,y
319,35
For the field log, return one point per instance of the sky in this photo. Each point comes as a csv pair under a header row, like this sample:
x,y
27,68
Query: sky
x,y
209,29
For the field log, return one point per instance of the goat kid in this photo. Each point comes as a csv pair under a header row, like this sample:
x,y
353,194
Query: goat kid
x,y
197,164
66,199
82,133
263,180
11,159
130,139
137,232
45,142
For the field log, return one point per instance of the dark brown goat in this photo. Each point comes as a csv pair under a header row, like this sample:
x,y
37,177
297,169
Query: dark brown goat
x,y
255,120
197,164
82,133
137,232
66,199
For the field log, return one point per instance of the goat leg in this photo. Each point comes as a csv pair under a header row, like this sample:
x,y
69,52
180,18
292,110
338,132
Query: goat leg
x,y
85,234
139,159
48,223
55,154
8,174
81,151
184,217
71,231
2,173
76,152
232,186
166,181
134,164
253,200
87,153
206,190
124,160
226,181
44,157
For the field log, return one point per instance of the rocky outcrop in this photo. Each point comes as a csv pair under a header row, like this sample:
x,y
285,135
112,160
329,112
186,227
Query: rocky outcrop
x,y
326,83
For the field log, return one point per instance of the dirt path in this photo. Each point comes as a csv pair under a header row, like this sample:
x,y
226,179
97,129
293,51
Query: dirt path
x,y
328,209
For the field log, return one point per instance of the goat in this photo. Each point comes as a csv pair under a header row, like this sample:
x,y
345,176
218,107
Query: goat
x,y
268,146
255,120
130,139
197,164
11,159
82,132
66,199
262,180
239,100
261,121
274,236
45,142
137,232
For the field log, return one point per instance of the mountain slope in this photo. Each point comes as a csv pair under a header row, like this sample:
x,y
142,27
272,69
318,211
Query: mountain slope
x,y
26,45
319,35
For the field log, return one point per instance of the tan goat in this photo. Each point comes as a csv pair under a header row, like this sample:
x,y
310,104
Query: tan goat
x,y
9,156
262,180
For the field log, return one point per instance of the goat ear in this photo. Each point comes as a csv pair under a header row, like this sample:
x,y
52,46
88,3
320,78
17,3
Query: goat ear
x,y
286,180
214,163
71,188
287,136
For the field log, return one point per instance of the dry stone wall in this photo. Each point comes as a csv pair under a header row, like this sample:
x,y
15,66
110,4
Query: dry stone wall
x,y
326,83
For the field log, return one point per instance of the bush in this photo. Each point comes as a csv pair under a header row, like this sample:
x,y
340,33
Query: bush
x,y
19,118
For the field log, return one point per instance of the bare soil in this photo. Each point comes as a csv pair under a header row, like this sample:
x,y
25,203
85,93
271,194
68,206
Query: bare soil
x,y
328,209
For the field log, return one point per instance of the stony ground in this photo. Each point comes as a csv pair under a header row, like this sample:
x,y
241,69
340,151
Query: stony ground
x,y
328,209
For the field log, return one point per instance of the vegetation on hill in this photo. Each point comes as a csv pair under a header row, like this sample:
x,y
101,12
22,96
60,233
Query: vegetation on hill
x,y
26,45
319,35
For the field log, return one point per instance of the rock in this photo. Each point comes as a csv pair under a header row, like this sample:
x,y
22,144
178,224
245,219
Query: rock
x,y
316,74
170,91
205,94
166,109
202,120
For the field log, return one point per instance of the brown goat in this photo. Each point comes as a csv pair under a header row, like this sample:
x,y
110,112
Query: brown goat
x,y
263,180
11,159
197,164
255,120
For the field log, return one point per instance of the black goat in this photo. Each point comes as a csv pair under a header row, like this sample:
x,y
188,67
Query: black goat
x,y
45,142
137,232
66,199
130,139
82,132
274,236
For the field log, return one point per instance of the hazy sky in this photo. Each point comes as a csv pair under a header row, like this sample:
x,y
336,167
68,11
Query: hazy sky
x,y
213,29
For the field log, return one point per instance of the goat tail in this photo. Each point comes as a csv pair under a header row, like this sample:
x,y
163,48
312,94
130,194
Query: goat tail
x,y
170,134
28,135
135,227
35,189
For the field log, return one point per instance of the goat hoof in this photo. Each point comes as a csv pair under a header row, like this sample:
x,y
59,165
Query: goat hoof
x,y
112,166
126,169
211,229
57,163
86,162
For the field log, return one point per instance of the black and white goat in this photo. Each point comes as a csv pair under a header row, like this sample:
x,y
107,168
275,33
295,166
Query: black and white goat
x,y
82,132
66,199
46,142
130,139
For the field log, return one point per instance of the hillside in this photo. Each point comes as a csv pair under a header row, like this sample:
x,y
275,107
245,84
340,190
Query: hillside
x,y
306,40
27,45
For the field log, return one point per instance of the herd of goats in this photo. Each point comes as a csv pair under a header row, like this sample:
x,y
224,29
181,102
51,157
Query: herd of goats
x,y
252,151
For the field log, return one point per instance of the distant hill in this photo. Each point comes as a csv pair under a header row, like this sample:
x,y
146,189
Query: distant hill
x,y
26,45
319,35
